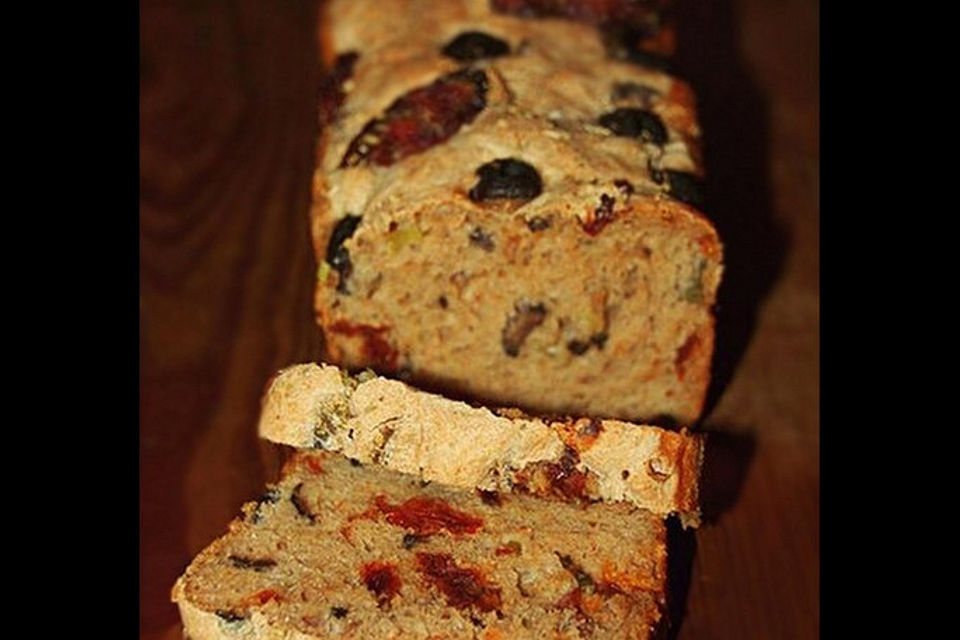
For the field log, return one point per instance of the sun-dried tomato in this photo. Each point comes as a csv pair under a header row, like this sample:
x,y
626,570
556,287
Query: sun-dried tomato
x,y
427,516
461,586
561,478
565,479
512,548
382,580
375,348
264,596
420,119
602,216
313,465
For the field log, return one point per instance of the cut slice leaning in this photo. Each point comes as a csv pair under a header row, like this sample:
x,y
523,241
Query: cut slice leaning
x,y
378,420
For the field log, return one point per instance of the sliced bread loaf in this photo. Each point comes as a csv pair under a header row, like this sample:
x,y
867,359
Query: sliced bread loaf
x,y
374,419
508,206
341,550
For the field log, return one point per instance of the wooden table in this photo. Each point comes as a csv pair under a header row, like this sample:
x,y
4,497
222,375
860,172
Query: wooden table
x,y
228,92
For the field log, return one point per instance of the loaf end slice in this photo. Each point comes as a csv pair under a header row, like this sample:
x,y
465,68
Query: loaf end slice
x,y
341,550
379,420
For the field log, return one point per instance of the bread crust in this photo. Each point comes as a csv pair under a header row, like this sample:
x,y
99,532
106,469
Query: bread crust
x,y
388,422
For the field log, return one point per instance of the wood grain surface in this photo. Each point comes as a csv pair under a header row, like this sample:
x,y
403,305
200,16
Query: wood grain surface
x,y
227,134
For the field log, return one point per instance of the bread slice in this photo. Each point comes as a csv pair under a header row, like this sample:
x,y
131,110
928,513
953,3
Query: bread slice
x,y
341,550
375,419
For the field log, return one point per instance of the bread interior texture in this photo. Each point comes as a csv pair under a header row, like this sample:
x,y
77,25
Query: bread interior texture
x,y
548,314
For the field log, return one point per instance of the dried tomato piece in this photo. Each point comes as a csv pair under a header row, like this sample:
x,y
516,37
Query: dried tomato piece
x,y
461,586
561,479
420,119
331,86
376,348
567,483
512,548
382,580
427,516
264,596
602,216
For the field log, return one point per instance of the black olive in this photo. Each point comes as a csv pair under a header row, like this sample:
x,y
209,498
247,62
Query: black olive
x,y
506,178
474,45
339,612
337,255
685,187
635,123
